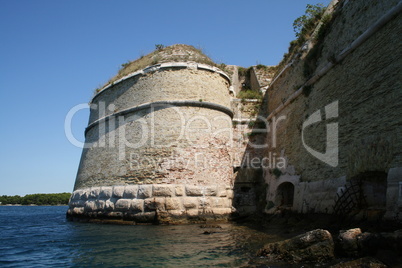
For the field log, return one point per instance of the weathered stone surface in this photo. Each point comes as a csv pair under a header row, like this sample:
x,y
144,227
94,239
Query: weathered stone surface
x,y
94,193
163,190
137,205
109,205
190,202
230,194
148,216
155,203
118,191
221,191
90,206
192,212
106,192
176,213
204,202
192,190
221,203
76,203
115,214
369,144
144,191
173,203
210,190
123,204
221,211
100,204
76,195
179,189
347,242
313,246
85,194
78,210
177,84
130,191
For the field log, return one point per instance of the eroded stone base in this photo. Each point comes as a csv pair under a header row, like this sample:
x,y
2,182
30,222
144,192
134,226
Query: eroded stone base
x,y
152,203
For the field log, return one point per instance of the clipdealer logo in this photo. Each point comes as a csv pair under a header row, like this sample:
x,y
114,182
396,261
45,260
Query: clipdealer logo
x,y
330,156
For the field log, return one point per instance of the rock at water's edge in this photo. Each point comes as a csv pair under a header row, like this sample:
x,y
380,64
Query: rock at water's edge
x,y
313,246
347,242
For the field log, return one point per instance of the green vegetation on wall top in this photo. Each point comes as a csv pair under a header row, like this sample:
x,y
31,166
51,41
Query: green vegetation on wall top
x,y
250,94
304,27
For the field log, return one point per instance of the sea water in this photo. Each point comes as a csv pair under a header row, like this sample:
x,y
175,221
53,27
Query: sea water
x,y
40,236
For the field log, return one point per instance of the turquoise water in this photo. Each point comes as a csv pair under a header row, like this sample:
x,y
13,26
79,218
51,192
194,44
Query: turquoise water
x,y
33,236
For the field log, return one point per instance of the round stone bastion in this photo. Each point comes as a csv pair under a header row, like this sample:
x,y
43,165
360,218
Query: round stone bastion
x,y
158,147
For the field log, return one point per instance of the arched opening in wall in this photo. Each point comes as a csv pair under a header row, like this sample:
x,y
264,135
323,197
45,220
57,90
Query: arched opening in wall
x,y
373,189
285,194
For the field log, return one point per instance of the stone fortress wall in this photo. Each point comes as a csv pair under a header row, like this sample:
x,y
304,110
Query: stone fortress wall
x,y
157,147
357,93
161,146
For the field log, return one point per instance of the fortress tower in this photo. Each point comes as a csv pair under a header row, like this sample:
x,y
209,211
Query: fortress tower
x,y
157,143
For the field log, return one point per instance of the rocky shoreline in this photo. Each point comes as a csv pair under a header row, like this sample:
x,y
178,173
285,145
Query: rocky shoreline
x,y
324,241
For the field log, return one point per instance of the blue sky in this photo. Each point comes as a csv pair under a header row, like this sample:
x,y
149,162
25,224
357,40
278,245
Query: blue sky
x,y
53,54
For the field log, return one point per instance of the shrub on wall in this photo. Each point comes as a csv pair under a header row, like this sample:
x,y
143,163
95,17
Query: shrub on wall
x,y
250,94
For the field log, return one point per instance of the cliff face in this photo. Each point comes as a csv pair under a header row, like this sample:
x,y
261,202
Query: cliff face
x,y
338,114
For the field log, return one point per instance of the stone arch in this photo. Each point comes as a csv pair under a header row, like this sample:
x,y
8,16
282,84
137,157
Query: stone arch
x,y
285,194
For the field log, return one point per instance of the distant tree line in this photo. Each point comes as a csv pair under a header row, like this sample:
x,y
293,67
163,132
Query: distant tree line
x,y
36,199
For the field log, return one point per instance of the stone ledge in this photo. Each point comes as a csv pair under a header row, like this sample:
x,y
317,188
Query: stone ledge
x,y
166,65
166,104
135,201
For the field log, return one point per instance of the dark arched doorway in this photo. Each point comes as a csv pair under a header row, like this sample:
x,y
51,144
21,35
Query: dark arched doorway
x,y
284,194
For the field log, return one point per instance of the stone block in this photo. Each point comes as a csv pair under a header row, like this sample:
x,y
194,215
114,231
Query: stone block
x,y
85,194
204,202
176,213
118,191
192,190
221,211
76,195
90,206
163,190
179,189
109,205
155,203
78,210
94,193
100,204
123,204
144,191
221,191
221,203
173,203
106,192
77,203
190,202
210,191
137,205
192,212
145,217
130,191
115,214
